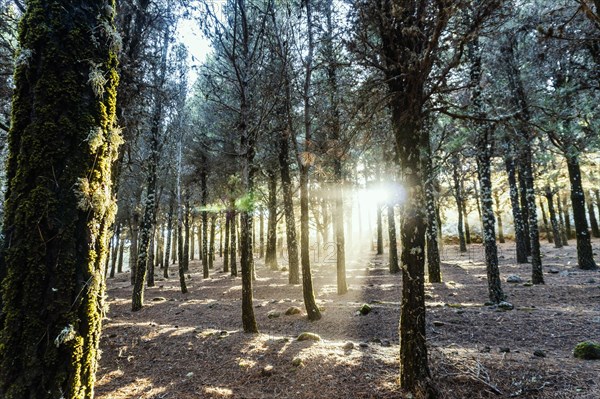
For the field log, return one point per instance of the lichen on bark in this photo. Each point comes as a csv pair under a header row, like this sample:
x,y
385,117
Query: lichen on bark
x,y
53,255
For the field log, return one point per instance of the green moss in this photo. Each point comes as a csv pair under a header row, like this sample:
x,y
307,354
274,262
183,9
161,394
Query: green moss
x,y
55,261
587,350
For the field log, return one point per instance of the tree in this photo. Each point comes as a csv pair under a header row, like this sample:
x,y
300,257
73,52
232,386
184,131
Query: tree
x,y
59,204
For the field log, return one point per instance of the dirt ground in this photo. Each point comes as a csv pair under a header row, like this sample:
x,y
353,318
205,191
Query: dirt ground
x,y
191,346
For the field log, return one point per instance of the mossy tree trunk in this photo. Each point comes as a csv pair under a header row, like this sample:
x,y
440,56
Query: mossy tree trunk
x,y
59,203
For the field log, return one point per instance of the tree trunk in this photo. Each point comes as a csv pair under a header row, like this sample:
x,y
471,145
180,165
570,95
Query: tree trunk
x,y
59,201
553,221
261,234
499,218
169,234
585,255
211,245
484,155
271,254
175,246
459,202
150,264
116,246
149,219
226,239
593,220
204,216
379,229
547,230
233,244
312,310
393,250
180,266
567,216
192,241
433,250
185,261
288,207
120,261
518,221
133,248
524,206
561,220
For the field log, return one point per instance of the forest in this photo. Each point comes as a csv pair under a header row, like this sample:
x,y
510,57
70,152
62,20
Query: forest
x,y
299,199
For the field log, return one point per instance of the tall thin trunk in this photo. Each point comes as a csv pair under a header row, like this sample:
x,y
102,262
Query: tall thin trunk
x,y
592,216
271,254
561,220
169,234
211,245
192,241
261,234
379,229
185,261
180,268
553,221
495,292
120,261
288,207
204,217
585,255
115,253
458,196
433,251
393,249
524,205
518,221
175,245
233,244
149,218
133,248
312,310
226,239
547,228
499,218
567,216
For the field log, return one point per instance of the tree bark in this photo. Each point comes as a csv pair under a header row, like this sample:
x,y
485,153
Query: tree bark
x,y
393,249
433,250
459,203
116,246
561,220
59,202
133,248
501,238
271,254
518,221
553,221
593,220
547,228
227,240
169,234
585,255
233,243
379,229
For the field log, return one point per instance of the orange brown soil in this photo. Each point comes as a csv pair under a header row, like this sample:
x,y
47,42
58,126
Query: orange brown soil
x,y
191,346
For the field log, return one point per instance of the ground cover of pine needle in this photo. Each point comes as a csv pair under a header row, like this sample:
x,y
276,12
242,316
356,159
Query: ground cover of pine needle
x,y
183,346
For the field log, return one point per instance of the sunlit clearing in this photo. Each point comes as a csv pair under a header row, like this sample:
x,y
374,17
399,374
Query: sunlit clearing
x,y
219,392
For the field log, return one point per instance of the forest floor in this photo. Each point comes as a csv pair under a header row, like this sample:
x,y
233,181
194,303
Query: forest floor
x,y
191,346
